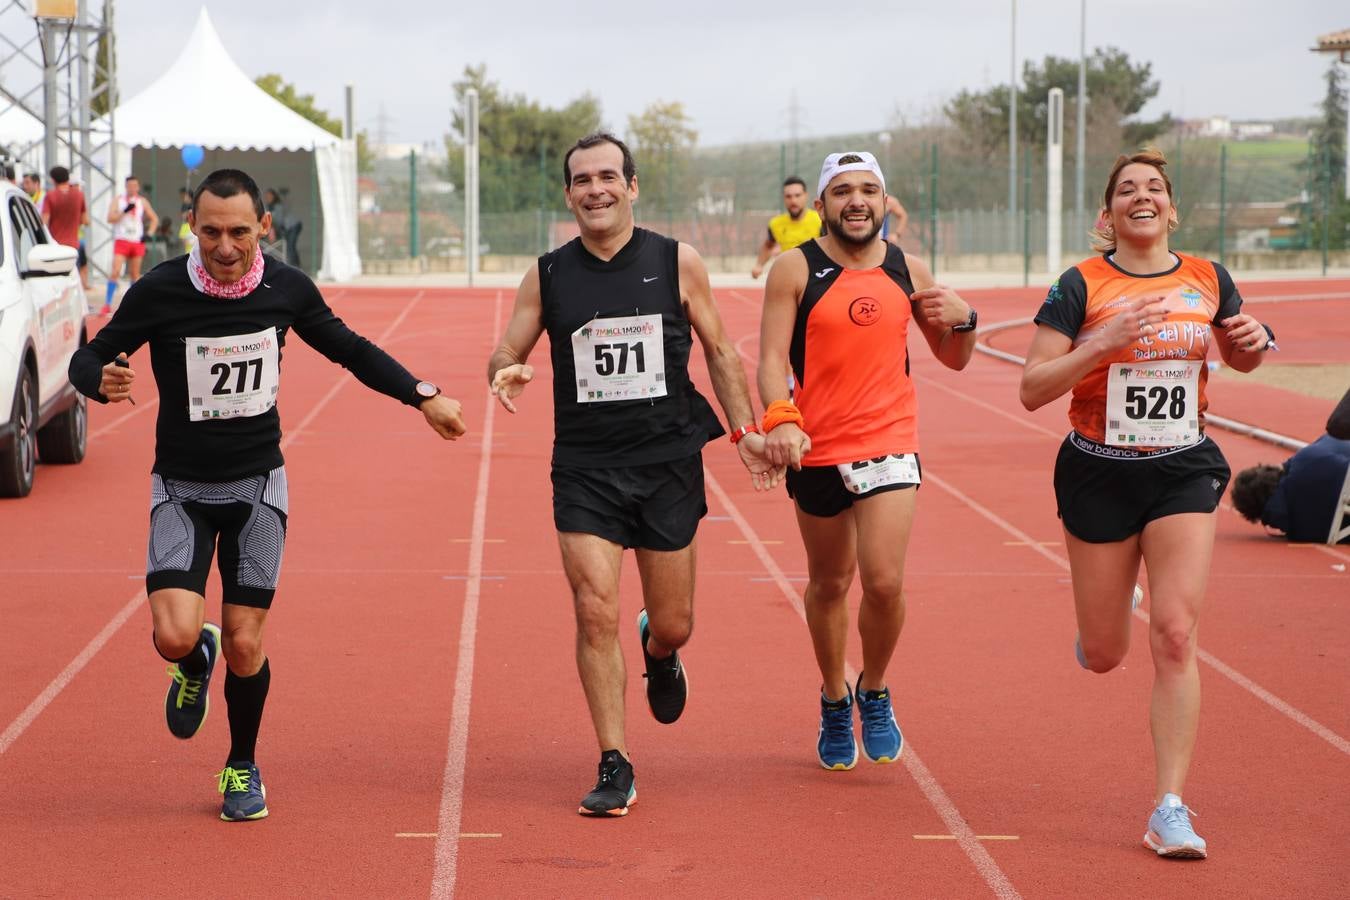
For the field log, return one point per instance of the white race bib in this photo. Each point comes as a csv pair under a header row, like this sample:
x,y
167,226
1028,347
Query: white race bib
x,y
870,474
621,358
1153,404
232,377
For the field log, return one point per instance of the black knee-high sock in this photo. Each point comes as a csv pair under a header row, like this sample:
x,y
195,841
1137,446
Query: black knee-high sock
x,y
245,698
194,664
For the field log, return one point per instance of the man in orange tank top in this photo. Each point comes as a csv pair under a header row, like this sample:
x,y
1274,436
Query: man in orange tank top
x,y
837,310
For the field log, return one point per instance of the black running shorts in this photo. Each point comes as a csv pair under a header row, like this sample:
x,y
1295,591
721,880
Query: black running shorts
x,y
652,507
243,522
1107,494
820,490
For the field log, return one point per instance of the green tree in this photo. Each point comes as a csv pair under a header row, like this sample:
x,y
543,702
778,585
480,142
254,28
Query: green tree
x,y
1117,90
663,141
1324,204
104,96
520,144
304,104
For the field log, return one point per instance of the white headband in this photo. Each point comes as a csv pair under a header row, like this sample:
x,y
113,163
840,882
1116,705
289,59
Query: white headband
x,y
865,162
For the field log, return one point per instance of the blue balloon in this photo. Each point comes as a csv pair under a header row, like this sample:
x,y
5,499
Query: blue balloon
x,y
193,154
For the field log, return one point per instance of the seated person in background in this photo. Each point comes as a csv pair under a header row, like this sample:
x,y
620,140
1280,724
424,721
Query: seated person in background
x,y
1338,424
1301,498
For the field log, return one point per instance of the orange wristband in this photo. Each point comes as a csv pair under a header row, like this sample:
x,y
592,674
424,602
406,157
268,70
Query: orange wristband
x,y
779,413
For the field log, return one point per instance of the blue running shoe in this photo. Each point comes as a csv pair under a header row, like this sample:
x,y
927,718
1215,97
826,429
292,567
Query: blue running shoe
x,y
881,738
835,747
1135,600
1170,833
667,683
245,796
188,700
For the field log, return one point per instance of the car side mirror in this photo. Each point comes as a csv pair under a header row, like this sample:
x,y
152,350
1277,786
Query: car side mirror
x,y
50,259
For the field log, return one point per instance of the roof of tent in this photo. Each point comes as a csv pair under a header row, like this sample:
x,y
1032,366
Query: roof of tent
x,y
16,124
176,110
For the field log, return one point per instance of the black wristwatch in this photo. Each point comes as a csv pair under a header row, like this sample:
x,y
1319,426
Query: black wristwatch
x,y
425,390
969,324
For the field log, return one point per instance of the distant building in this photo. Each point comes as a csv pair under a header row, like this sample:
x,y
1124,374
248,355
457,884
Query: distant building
x,y
432,151
1226,129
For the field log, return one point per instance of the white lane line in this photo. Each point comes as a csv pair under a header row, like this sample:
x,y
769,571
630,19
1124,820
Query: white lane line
x,y
143,407
452,779
58,684
956,824
16,728
1227,671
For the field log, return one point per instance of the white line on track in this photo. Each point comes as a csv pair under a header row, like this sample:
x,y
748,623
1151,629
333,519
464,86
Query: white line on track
x,y
15,729
1227,671
956,824
452,779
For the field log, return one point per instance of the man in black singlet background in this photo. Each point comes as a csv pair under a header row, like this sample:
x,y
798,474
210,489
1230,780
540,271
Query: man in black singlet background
x,y
216,320
618,304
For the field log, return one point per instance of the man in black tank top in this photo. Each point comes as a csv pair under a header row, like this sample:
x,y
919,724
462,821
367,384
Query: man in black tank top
x,y
618,304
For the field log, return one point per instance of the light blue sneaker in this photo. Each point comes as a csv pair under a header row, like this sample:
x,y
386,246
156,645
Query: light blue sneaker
x,y
1170,833
836,747
1135,600
881,738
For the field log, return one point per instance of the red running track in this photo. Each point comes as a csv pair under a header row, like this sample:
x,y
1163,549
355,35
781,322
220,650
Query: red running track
x,y
426,734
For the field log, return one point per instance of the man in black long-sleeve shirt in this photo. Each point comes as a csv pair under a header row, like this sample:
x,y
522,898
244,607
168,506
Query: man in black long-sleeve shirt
x,y
216,321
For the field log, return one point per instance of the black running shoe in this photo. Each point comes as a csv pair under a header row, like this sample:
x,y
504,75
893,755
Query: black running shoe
x,y
667,685
615,791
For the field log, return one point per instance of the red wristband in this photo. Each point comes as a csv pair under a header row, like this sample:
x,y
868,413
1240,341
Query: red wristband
x,y
741,432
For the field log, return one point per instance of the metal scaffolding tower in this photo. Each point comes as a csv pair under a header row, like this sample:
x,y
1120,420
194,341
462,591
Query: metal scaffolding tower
x,y
57,95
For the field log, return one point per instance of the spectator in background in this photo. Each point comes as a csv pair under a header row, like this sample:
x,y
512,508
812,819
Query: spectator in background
x,y
131,217
1302,498
32,186
894,210
800,223
65,212
1338,424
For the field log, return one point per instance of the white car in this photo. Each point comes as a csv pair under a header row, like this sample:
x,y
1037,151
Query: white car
x,y
42,310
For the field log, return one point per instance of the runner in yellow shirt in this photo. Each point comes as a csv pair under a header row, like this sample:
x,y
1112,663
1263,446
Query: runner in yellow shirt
x,y
798,225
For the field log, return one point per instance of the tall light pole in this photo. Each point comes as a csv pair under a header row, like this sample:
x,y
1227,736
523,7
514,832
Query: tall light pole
x,y
1080,131
1054,180
471,183
1012,134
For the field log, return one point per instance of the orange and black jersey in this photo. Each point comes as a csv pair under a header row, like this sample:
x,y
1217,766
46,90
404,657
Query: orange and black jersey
x,y
1197,293
850,361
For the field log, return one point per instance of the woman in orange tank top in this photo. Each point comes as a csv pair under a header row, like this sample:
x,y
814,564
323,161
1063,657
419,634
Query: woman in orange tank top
x,y
1137,479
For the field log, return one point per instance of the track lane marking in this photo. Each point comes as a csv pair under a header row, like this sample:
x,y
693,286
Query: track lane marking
x,y
956,824
16,728
446,852
1291,712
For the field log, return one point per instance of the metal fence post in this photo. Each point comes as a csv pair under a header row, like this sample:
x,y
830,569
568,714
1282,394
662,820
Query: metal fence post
x,y
413,237
1026,219
1223,197
932,209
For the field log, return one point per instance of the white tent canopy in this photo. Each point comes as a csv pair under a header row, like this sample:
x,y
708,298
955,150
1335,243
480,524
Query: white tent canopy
x,y
21,134
176,110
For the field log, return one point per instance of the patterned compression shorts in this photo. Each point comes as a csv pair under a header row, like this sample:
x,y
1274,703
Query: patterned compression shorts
x,y
243,522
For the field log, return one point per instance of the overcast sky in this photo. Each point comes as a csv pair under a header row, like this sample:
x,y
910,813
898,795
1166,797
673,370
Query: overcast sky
x,y
736,66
